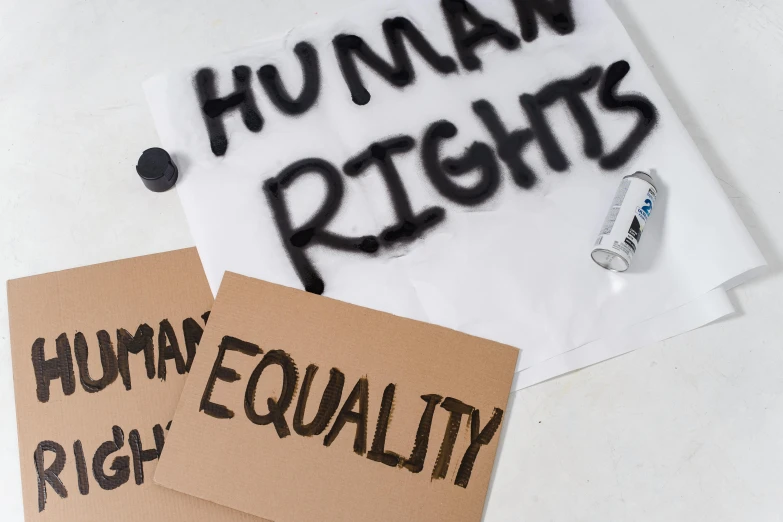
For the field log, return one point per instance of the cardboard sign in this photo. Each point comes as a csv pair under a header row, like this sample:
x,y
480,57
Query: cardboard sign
x,y
99,358
301,407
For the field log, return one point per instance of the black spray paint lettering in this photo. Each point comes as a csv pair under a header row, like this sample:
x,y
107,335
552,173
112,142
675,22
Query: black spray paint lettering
x,y
400,73
49,476
510,146
311,82
469,29
631,103
113,364
457,12
571,91
354,410
296,240
556,13
409,225
440,171
214,109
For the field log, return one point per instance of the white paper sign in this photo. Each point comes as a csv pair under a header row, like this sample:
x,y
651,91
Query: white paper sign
x,y
450,162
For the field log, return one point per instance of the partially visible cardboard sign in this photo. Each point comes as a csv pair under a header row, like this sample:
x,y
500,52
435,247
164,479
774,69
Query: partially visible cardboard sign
x,y
99,358
300,407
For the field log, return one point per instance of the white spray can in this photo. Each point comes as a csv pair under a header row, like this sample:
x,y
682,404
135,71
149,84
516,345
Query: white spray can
x,y
620,235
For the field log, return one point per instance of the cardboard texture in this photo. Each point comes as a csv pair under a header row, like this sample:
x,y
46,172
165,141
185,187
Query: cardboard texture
x,y
89,470
228,445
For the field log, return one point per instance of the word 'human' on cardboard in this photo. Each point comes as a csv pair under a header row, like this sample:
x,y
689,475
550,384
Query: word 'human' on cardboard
x,y
99,359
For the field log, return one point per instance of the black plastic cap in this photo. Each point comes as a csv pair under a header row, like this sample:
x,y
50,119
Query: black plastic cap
x,y
156,169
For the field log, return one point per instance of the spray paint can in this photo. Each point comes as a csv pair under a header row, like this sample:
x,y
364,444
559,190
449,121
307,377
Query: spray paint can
x,y
622,230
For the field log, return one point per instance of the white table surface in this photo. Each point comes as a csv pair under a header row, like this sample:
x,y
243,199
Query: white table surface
x,y
687,430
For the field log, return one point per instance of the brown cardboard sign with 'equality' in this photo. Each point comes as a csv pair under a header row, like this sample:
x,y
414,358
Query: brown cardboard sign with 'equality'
x,y
300,407
100,355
